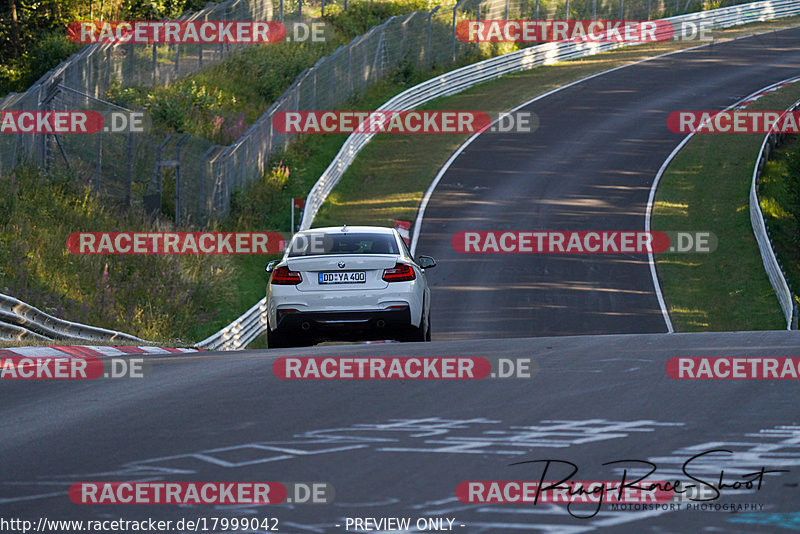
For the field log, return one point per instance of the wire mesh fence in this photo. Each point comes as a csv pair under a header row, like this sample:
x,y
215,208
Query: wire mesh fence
x,y
192,179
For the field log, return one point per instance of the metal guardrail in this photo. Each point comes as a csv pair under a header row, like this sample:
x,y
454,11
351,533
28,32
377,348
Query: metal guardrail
x,y
771,264
233,336
20,321
241,332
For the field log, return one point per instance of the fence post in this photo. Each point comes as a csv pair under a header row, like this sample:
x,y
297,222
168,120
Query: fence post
x,y
314,90
178,177
107,70
454,32
331,78
98,160
269,142
365,73
177,60
349,71
155,64
428,38
566,10
131,153
506,17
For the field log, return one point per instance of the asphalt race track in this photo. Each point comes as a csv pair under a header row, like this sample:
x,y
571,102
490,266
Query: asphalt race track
x,y
400,448
589,166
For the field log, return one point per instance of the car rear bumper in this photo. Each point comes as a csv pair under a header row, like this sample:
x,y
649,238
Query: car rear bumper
x,y
345,325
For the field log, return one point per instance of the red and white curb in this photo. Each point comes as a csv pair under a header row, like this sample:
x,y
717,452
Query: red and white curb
x,y
755,97
89,351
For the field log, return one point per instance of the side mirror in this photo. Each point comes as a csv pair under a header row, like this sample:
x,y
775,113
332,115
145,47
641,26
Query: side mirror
x,y
271,265
426,262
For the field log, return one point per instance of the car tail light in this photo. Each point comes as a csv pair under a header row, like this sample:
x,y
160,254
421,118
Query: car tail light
x,y
282,276
399,273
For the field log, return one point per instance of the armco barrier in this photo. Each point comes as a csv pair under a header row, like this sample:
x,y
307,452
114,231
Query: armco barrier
x,y
10,332
233,336
768,258
241,332
21,321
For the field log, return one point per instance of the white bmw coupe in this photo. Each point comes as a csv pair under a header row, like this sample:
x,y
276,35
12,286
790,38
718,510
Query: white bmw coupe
x,y
349,284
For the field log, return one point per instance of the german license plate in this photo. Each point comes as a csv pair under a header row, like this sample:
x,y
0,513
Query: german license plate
x,y
344,277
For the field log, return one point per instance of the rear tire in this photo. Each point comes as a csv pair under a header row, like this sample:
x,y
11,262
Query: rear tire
x,y
276,340
428,333
421,333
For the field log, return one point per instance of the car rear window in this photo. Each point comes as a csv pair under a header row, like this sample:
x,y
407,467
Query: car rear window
x,y
349,243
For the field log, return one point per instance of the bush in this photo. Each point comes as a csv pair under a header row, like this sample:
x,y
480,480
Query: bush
x,y
50,50
360,17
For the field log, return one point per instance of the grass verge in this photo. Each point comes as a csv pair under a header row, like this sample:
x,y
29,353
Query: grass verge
x,y
169,299
706,188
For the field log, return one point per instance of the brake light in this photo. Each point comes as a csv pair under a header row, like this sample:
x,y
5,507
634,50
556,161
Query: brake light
x,y
399,273
282,276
